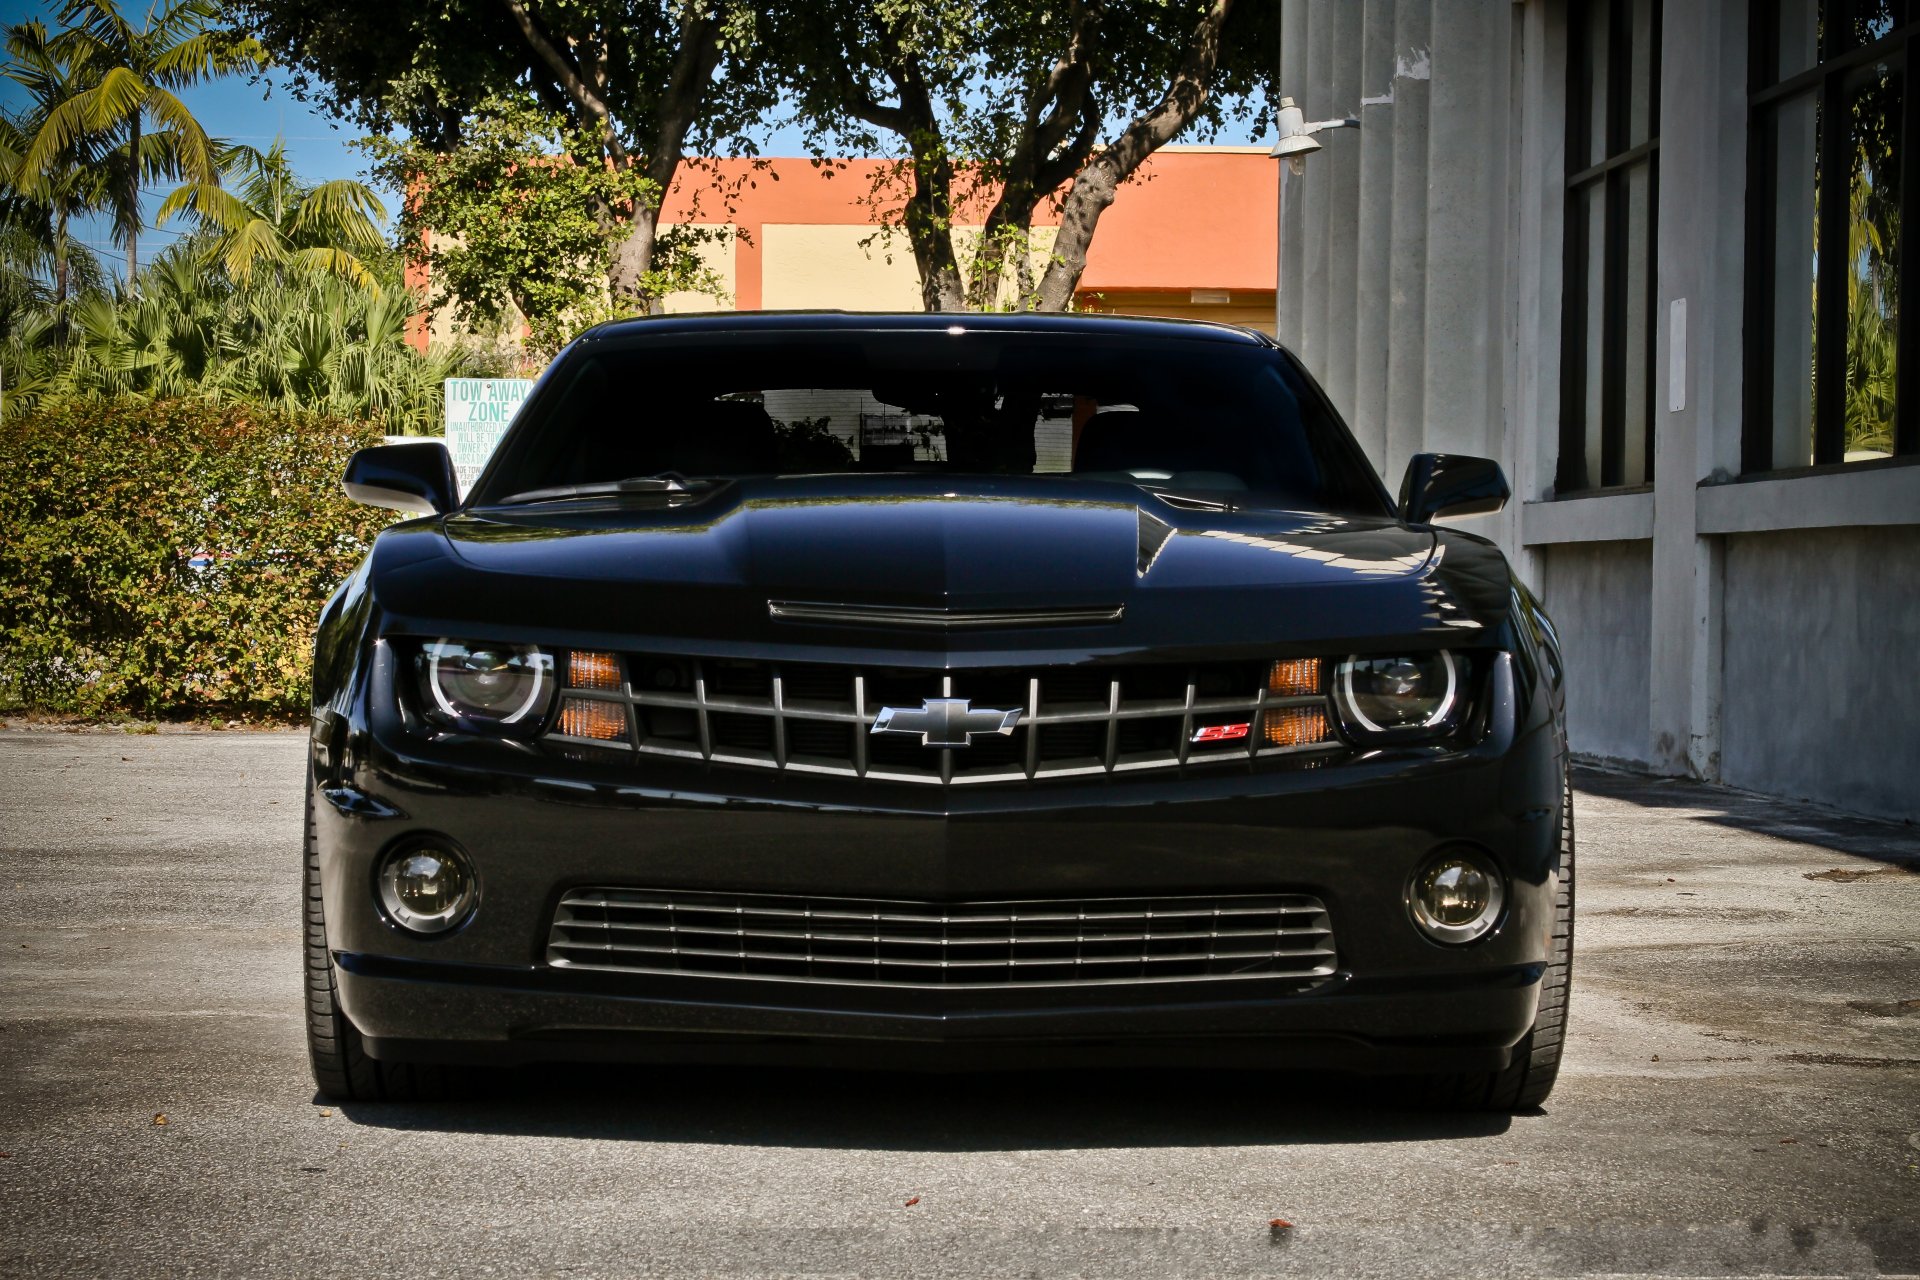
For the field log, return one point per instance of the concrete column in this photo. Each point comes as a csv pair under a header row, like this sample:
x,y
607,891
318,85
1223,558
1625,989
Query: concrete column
x,y
1466,189
1540,187
1372,271
1702,156
1338,171
1314,97
1291,300
1407,238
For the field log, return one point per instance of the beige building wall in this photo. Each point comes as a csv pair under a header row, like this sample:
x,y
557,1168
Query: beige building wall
x,y
852,268
855,267
720,256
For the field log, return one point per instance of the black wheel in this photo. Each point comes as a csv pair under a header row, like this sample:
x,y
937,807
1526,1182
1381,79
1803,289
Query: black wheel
x,y
1528,1078
342,1071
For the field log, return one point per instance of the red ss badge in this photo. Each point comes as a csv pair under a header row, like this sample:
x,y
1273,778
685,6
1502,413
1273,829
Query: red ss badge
x,y
1219,732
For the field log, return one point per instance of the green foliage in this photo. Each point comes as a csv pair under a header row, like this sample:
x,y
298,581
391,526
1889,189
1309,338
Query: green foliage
x,y
299,339
508,219
118,121
38,206
272,219
631,85
105,505
996,106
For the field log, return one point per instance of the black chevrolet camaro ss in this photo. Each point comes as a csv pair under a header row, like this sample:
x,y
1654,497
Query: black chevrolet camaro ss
x,y
936,690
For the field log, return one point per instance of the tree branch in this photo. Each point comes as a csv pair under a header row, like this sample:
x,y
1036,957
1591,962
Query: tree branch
x,y
693,65
568,75
1096,185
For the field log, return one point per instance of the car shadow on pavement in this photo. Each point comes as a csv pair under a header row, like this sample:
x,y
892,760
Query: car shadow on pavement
x,y
895,1111
1895,843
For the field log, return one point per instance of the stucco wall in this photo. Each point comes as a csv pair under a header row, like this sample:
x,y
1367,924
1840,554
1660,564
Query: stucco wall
x,y
1598,594
1821,699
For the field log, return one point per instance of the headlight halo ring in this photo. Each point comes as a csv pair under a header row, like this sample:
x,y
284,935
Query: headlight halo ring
x,y
537,663
1347,700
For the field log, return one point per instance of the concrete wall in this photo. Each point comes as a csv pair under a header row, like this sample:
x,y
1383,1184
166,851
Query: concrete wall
x,y
1598,594
1734,628
1821,698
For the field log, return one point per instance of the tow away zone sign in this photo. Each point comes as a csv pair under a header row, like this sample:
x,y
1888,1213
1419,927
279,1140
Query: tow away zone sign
x,y
478,411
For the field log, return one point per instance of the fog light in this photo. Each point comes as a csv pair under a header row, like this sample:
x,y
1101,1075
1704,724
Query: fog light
x,y
427,888
1457,896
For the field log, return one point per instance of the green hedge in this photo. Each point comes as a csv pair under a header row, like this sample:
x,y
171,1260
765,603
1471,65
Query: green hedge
x,y
103,507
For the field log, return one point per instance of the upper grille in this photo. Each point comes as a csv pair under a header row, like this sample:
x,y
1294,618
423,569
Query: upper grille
x,y
818,717
966,944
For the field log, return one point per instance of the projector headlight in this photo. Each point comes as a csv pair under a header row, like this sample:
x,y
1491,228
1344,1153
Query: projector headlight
x,y
1398,696
474,685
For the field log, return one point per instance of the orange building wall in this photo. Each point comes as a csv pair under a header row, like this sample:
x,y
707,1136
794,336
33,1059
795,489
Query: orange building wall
x,y
1192,218
1192,235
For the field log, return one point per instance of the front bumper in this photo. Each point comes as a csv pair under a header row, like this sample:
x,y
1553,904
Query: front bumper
x,y
1351,835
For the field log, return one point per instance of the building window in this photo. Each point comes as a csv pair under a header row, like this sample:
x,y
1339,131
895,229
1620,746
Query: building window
x,y
1829,365
1613,191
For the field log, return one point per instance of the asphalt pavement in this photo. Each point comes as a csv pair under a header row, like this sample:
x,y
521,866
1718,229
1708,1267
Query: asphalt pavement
x,y
1741,1095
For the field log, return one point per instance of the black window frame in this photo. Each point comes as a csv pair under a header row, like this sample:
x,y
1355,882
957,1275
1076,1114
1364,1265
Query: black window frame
x,y
1830,79
1621,156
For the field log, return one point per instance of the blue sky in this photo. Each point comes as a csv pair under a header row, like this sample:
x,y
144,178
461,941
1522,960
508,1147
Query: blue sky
x,y
255,113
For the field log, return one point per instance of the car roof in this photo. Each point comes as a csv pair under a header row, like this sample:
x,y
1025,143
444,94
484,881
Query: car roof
x,y
718,323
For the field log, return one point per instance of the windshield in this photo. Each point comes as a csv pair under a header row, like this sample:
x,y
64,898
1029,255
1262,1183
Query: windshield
x,y
1211,418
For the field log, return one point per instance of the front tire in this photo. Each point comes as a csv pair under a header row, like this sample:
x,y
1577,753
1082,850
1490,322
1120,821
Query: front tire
x,y
342,1071
1529,1076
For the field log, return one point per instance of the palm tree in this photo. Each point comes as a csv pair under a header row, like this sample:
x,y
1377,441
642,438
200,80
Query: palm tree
x,y
127,76
271,218
40,205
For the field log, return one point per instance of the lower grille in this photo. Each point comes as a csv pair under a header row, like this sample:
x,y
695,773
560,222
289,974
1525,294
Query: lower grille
x,y
877,942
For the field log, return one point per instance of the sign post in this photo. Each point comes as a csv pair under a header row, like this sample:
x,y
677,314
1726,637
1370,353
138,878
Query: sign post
x,y
478,411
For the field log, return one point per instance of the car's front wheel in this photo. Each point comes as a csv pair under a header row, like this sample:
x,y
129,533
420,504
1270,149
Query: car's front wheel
x,y
342,1071
1528,1077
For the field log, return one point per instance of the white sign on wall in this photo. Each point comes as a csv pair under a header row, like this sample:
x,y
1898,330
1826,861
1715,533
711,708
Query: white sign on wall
x,y
478,411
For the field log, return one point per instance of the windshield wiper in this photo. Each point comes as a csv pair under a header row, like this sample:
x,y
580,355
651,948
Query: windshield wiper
x,y
670,484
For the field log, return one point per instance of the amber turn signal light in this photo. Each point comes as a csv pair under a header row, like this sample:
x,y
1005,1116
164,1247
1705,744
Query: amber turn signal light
x,y
1294,678
589,670
592,718
1294,726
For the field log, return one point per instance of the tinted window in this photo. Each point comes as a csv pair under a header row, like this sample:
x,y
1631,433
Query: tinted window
x,y
1187,416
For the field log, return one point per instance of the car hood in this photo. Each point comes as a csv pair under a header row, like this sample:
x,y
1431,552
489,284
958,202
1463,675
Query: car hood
x,y
708,569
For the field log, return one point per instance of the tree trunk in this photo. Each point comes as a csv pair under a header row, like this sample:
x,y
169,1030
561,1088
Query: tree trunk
x,y
633,258
1096,185
583,82
1041,159
133,199
929,212
929,221
60,266
1004,243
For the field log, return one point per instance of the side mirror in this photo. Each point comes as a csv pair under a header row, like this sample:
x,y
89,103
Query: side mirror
x,y
416,478
1450,484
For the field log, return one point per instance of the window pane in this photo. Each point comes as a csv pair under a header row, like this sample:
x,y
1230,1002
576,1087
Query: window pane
x,y
1795,141
1640,122
1797,37
1593,370
1873,252
1871,20
1593,48
1636,327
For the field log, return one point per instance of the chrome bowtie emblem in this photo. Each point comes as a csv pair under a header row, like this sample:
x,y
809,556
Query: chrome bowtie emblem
x,y
945,722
